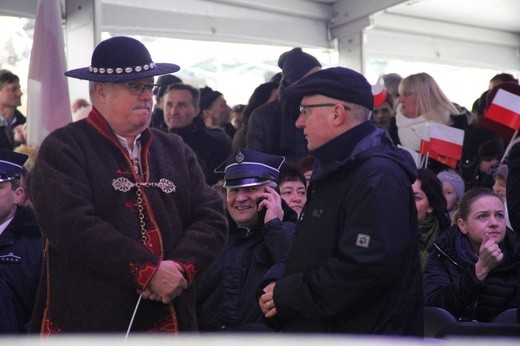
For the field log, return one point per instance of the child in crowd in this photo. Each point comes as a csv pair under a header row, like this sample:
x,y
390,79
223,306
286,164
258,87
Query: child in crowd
x,y
452,188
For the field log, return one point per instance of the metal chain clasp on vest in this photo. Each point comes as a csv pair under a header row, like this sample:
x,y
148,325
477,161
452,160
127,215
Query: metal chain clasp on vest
x,y
124,185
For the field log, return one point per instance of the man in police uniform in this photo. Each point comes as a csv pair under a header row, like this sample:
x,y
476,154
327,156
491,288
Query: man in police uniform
x,y
261,226
20,248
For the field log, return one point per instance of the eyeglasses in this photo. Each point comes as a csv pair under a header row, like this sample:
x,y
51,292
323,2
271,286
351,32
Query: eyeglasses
x,y
303,108
139,88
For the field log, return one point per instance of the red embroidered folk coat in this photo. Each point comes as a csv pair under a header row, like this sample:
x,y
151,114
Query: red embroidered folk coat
x,y
84,194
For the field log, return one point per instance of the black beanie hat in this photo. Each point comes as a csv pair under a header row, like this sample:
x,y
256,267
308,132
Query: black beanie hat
x,y
207,97
164,81
295,64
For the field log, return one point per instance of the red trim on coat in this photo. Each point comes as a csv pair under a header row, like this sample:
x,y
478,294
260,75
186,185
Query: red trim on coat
x,y
154,239
188,271
143,273
169,325
49,327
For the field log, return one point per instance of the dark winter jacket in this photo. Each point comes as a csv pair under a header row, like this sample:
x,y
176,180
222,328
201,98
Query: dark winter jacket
x,y
227,292
513,188
211,149
6,134
450,281
271,130
20,270
354,264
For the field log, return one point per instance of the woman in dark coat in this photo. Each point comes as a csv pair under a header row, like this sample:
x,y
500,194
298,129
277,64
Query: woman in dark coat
x,y
473,270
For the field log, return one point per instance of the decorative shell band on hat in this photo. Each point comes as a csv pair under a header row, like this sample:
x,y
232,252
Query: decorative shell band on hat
x,y
120,70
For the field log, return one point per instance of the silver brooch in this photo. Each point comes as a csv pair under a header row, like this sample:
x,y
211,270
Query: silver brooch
x,y
122,184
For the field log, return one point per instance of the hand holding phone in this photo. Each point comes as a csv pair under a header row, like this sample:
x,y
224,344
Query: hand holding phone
x,y
269,205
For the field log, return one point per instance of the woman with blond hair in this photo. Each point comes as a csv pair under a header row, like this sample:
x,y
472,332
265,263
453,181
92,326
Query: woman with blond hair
x,y
422,101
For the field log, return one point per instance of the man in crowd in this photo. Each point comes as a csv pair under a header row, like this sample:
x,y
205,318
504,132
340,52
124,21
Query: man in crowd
x,y
271,127
354,263
215,111
180,107
158,113
20,248
260,233
10,100
127,218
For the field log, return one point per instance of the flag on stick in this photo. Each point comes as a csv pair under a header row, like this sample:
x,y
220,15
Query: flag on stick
x,y
48,103
442,143
505,109
379,92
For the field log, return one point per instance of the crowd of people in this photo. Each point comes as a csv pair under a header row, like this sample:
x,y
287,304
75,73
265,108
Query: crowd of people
x,y
162,209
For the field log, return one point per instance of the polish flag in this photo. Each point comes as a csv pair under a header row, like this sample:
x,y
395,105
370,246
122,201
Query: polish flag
x,y
442,143
48,103
505,109
379,92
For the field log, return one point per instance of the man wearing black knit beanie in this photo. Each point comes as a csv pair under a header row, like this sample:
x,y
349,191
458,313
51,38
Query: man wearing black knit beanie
x,y
271,127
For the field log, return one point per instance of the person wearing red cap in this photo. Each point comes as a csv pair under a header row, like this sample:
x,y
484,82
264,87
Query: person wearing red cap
x,y
128,219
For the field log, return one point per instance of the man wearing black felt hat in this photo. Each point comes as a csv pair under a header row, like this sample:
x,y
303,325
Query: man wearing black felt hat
x,y
20,248
354,264
261,227
127,217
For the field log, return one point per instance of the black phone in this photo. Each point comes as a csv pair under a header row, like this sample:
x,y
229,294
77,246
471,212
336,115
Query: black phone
x,y
262,212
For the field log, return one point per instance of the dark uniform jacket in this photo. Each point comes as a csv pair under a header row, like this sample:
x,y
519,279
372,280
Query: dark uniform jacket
x,y
100,248
211,147
227,297
354,263
450,281
20,270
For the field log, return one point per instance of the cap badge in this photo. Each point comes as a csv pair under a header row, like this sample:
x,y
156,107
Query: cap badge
x,y
240,157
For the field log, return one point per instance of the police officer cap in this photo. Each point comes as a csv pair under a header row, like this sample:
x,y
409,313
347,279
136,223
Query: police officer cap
x,y
336,82
250,168
11,164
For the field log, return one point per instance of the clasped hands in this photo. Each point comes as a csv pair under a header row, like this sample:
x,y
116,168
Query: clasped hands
x,y
166,284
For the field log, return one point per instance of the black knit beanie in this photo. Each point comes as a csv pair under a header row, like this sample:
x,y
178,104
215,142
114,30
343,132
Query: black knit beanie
x,y
207,97
295,64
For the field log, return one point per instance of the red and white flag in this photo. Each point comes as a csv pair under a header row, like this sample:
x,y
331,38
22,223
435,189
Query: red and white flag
x,y
48,103
379,92
442,143
505,109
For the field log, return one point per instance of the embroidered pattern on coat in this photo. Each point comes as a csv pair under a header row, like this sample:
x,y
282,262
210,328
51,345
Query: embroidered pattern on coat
x,y
142,273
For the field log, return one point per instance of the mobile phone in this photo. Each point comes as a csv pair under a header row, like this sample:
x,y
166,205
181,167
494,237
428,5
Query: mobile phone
x,y
262,212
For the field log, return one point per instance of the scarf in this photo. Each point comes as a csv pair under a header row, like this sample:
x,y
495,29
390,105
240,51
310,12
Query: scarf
x,y
464,249
428,231
410,130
